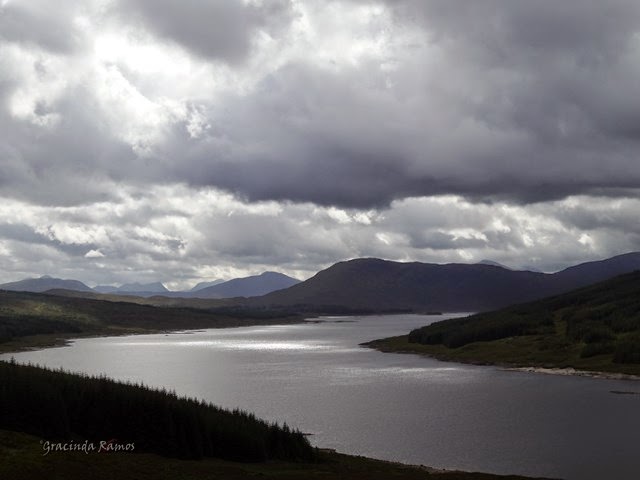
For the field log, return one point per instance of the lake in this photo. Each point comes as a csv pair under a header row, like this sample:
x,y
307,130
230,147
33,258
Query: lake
x,y
412,409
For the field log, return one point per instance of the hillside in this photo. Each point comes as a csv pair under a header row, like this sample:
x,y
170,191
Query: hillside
x,y
384,285
63,406
596,328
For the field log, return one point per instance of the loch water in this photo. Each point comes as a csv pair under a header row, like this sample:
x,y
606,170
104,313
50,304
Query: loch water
x,y
314,376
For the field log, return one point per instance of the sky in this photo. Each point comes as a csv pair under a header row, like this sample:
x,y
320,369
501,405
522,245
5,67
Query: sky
x,y
191,140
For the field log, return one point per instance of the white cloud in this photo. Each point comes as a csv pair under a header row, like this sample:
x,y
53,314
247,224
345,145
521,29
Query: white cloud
x,y
289,135
179,235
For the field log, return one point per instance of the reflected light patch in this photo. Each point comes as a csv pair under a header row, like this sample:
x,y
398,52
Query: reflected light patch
x,y
231,345
267,346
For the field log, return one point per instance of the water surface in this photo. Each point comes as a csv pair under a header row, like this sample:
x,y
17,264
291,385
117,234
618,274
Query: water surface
x,y
390,406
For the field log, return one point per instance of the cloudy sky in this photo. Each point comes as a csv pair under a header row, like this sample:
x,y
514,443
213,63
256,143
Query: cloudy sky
x,y
189,140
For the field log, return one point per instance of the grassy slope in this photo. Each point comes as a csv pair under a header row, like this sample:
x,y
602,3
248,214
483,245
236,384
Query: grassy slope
x,y
21,459
558,343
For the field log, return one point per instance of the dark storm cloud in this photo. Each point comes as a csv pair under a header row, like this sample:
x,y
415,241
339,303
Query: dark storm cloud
x,y
522,133
516,101
213,29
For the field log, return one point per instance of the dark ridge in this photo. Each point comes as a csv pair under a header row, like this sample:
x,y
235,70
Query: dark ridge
x,y
380,285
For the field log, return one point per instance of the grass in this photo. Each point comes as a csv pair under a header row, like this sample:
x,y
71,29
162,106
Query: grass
x,y
21,458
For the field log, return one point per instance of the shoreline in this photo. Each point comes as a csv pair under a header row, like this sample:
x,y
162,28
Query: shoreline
x,y
382,345
572,372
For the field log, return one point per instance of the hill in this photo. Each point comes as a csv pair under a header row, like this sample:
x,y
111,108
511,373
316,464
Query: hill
x,y
248,286
596,328
44,283
380,285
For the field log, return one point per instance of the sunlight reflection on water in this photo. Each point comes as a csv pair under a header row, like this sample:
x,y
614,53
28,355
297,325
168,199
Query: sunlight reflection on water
x,y
231,345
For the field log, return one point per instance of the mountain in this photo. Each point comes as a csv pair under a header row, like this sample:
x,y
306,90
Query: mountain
x,y
202,285
248,286
378,285
375,284
44,283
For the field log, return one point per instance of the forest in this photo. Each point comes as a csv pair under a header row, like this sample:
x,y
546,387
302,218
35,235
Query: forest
x,y
60,406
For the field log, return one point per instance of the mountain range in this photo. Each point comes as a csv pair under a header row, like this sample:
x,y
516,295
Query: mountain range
x,y
238,287
379,285
371,284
